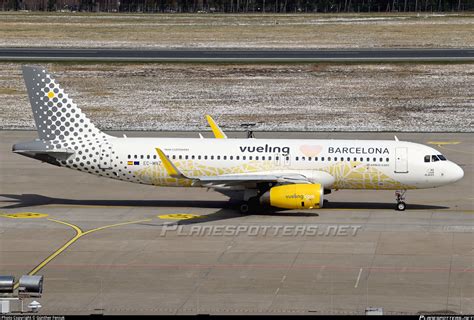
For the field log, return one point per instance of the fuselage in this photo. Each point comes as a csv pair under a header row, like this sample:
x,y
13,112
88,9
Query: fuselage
x,y
336,164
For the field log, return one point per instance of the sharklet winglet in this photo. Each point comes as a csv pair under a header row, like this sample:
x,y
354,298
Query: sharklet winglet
x,y
169,166
218,133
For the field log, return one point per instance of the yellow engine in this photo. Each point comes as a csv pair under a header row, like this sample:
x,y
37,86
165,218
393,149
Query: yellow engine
x,y
294,196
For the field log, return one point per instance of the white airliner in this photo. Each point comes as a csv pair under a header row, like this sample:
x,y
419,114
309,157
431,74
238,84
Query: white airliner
x,y
283,173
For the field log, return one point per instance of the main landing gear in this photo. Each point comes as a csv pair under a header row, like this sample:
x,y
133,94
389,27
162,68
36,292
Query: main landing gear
x,y
250,205
400,196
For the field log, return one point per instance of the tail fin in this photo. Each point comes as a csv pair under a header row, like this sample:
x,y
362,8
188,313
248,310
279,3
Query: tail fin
x,y
56,116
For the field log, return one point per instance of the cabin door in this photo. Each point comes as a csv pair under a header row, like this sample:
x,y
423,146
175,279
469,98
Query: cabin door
x,y
401,160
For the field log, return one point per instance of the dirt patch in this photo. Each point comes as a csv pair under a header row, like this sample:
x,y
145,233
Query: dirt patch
x,y
372,97
377,30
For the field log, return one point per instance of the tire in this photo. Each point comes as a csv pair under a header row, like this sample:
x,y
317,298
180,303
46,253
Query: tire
x,y
401,206
244,208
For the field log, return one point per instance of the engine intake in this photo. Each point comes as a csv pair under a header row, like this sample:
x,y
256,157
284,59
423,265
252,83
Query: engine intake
x,y
294,196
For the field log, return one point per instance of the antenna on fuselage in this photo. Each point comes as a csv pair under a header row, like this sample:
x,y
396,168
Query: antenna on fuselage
x,y
396,139
247,127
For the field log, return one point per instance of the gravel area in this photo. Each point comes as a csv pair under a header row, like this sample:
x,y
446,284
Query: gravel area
x,y
376,30
279,97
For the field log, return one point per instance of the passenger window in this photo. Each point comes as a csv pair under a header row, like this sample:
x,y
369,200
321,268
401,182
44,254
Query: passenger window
x,y
296,158
434,158
186,157
263,157
269,157
322,158
335,158
192,157
218,157
427,158
199,157
381,159
302,158
244,157
309,158
355,158
287,158
329,158
387,159
141,157
154,156
212,157
250,157
361,159
277,158
231,157
368,159
180,157
225,157
129,156
237,158
256,157
174,157
205,157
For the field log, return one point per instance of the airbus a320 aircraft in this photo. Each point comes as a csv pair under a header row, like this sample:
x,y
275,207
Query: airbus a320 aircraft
x,y
283,173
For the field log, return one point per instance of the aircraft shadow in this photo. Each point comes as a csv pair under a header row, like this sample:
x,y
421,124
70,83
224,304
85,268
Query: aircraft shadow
x,y
228,209
29,200
378,205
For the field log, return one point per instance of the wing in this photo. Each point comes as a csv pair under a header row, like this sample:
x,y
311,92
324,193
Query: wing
x,y
233,179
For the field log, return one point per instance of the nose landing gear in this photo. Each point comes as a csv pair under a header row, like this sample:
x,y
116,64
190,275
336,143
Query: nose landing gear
x,y
400,196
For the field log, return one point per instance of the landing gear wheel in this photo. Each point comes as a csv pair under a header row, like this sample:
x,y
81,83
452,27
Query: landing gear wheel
x,y
400,196
401,206
244,208
250,206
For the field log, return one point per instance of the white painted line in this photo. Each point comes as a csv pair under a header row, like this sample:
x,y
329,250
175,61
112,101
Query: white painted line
x,y
358,278
283,278
276,291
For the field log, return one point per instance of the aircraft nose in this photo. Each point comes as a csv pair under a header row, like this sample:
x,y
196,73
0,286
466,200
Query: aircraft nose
x,y
456,173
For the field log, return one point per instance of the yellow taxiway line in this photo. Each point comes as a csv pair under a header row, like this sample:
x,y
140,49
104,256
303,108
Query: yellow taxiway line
x,y
453,150
79,233
443,144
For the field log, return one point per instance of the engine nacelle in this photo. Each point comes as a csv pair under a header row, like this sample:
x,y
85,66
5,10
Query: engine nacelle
x,y
294,196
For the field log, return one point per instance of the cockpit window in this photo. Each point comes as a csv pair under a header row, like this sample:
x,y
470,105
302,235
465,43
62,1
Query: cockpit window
x,y
441,157
427,158
434,158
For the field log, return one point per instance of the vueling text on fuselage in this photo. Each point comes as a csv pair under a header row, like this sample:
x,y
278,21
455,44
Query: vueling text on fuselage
x,y
266,148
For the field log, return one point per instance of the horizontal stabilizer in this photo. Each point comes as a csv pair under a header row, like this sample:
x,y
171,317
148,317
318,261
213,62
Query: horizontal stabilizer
x,y
61,154
41,150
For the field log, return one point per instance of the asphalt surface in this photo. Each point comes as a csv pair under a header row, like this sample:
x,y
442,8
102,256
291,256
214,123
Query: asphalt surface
x,y
101,245
234,55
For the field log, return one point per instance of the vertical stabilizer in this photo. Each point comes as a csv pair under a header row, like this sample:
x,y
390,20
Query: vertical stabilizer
x,y
56,116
